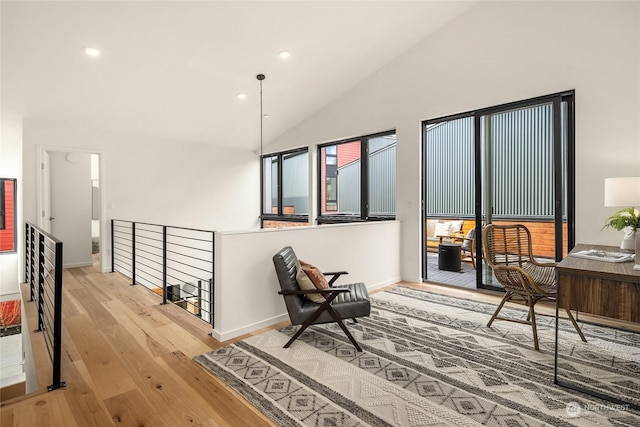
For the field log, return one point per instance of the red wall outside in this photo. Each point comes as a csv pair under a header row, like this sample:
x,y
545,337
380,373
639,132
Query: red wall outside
x,y
348,152
6,234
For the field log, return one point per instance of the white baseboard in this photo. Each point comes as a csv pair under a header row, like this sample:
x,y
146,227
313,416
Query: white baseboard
x,y
224,336
78,264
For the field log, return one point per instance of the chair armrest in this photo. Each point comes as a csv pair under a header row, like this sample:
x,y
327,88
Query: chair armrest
x,y
460,236
544,264
313,291
335,275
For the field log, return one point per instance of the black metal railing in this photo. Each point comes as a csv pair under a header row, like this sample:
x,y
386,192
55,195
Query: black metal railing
x,y
43,273
175,262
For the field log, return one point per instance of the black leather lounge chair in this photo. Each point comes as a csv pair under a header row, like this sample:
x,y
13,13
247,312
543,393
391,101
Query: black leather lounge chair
x,y
342,302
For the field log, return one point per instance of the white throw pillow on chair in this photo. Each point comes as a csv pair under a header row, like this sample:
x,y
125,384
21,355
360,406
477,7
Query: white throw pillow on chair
x,y
443,229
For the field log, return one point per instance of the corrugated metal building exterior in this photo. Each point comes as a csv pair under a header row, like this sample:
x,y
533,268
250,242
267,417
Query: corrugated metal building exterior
x,y
295,183
519,155
382,180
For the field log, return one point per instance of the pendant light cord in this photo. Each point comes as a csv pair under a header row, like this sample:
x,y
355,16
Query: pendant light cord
x,y
260,78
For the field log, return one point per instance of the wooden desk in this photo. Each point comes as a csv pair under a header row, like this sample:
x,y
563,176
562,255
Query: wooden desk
x,y
600,288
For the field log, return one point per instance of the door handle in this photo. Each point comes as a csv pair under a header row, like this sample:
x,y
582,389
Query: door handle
x,y
51,218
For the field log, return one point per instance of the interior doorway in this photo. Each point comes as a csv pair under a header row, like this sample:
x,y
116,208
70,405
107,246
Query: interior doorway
x,y
70,201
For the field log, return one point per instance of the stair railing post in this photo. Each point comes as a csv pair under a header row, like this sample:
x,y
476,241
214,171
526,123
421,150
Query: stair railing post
x,y
27,259
27,266
213,275
41,270
113,255
133,253
32,254
57,322
164,264
211,302
199,298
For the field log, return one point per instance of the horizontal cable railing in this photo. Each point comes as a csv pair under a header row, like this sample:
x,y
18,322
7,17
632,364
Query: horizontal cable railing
x,y
43,273
175,262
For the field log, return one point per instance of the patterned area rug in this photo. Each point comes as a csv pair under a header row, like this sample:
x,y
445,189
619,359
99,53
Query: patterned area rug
x,y
430,360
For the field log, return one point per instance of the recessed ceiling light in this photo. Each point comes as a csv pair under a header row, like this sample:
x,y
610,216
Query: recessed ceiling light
x,y
91,51
241,95
284,54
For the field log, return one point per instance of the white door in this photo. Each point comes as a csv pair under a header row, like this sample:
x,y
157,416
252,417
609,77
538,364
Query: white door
x,y
71,205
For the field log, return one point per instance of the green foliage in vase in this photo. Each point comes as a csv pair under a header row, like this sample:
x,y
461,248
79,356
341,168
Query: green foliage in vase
x,y
627,217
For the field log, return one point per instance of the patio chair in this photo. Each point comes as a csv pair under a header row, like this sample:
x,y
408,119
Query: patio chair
x,y
468,244
340,302
508,251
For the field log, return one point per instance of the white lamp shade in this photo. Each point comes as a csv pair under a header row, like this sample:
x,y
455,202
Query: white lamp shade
x,y
622,192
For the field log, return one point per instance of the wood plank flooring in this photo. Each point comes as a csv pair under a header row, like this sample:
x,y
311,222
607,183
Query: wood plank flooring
x,y
127,361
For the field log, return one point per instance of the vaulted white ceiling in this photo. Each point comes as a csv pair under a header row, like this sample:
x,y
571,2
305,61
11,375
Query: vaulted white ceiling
x,y
171,70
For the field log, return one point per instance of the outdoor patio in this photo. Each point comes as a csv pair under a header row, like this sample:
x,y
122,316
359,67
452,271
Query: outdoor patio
x,y
465,278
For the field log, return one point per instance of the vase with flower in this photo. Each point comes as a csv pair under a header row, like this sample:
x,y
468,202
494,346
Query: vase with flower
x,y
627,220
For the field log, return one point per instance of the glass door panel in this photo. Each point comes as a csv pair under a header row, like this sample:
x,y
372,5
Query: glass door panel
x,y
449,202
519,163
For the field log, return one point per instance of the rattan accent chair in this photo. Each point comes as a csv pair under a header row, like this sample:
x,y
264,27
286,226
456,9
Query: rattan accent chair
x,y
507,249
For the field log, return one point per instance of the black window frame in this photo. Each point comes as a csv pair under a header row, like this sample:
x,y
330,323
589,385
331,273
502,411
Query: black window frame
x,y
364,216
280,215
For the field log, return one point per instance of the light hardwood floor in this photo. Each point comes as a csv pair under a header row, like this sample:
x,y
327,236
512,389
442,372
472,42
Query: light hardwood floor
x,y
127,361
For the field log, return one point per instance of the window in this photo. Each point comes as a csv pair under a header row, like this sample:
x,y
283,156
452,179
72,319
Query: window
x,y
357,179
7,215
285,189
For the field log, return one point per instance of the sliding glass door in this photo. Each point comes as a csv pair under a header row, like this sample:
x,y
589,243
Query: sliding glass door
x,y
449,166
506,164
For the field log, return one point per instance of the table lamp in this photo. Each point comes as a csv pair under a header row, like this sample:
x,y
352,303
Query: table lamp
x,y
624,192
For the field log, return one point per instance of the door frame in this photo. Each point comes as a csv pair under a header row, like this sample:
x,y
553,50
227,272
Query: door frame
x,y
564,192
42,192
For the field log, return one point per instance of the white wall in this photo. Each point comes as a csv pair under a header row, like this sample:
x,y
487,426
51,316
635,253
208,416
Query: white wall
x,y
246,286
10,167
500,52
164,182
